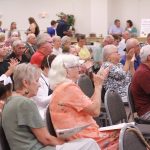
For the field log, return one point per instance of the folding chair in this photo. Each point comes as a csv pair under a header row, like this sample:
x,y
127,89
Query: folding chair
x,y
114,107
3,141
86,85
132,108
49,123
132,139
117,114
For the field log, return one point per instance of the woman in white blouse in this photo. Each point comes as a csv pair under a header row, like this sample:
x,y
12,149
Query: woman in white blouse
x,y
44,92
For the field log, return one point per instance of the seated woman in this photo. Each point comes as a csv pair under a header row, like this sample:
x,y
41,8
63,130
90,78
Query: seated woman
x,y
130,28
21,121
69,106
43,95
119,76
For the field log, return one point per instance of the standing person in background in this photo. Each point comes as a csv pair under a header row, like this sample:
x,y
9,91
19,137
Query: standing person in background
x,y
13,28
33,28
116,29
63,27
52,29
130,28
1,29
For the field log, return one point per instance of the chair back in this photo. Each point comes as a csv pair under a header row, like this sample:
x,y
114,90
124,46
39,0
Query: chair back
x,y
86,85
49,123
3,141
114,107
131,139
131,101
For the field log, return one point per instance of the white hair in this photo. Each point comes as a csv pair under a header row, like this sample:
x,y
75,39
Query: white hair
x,y
57,72
144,53
107,50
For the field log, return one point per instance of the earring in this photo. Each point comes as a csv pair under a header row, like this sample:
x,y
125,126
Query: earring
x,y
26,92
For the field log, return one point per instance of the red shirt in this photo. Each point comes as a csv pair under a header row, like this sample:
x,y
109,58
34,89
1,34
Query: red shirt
x,y
37,58
140,88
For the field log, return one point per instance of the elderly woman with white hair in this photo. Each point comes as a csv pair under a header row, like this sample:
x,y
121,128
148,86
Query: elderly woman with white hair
x,y
21,121
119,76
70,107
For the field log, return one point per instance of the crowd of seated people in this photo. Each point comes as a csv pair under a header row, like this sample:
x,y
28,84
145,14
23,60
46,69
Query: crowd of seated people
x,y
43,72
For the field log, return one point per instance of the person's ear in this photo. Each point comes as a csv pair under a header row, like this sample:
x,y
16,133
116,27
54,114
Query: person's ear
x,y
25,83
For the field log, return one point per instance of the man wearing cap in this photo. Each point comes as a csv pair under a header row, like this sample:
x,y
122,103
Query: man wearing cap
x,y
140,85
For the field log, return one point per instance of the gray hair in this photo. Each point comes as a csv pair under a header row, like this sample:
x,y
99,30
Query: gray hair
x,y
55,38
144,53
65,39
107,50
131,43
57,72
42,39
24,72
29,36
16,43
108,38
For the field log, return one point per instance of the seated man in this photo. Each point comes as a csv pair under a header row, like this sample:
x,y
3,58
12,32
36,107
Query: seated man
x,y
132,44
116,29
140,86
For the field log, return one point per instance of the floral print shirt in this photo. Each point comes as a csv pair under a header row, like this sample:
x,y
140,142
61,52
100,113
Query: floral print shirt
x,y
118,79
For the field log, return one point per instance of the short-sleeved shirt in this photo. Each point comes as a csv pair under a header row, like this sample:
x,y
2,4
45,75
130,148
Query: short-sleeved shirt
x,y
19,115
137,61
66,107
140,88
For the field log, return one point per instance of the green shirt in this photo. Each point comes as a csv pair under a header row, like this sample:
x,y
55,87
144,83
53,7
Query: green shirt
x,y
19,115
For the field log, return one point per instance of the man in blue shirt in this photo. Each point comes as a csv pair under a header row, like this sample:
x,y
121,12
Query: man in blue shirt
x,y
132,44
63,27
52,30
116,29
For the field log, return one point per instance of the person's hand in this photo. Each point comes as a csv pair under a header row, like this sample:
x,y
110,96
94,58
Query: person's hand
x,y
56,141
100,76
12,64
130,54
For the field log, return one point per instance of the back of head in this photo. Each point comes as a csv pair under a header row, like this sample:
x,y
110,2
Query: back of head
x,y
109,39
42,39
144,53
107,50
24,72
57,73
53,22
31,20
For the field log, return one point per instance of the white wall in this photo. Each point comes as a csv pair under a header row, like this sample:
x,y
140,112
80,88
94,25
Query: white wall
x,y
128,9
90,15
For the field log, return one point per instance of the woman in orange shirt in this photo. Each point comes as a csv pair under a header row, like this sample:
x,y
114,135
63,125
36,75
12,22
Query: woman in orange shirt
x,y
69,106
